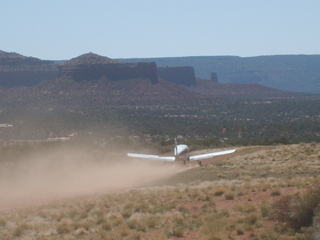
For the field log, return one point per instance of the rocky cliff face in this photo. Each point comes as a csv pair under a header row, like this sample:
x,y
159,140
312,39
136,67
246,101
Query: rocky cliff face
x,y
91,67
181,75
214,77
18,70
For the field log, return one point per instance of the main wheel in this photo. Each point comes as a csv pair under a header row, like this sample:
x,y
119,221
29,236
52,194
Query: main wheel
x,y
200,163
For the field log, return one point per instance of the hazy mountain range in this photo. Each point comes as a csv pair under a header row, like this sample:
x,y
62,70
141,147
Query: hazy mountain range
x,y
92,94
295,73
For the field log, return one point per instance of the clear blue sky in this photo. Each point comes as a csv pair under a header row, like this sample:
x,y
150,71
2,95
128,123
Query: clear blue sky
x,y
63,29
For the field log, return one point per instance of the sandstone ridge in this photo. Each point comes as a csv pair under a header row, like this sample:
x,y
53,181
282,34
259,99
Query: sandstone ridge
x,y
91,66
17,70
181,75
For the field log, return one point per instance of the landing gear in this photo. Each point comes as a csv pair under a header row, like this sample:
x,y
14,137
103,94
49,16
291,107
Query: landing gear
x,y
200,163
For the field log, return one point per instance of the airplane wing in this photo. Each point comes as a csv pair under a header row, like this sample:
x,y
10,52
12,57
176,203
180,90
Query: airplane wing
x,y
151,157
210,155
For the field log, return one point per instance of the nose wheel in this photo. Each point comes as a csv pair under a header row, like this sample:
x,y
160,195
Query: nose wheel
x,y
200,163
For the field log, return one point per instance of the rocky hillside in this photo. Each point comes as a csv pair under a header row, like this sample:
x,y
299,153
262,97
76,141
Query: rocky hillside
x,y
90,58
250,90
67,94
18,70
92,67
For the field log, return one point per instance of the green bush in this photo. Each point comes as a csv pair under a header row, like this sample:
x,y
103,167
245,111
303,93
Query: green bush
x,y
297,210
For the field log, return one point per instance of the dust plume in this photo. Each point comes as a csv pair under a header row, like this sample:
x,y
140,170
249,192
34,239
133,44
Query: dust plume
x,y
63,173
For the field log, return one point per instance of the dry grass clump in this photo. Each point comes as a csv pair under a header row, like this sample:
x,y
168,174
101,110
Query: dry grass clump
x,y
251,218
229,195
20,229
3,222
264,208
177,231
65,226
214,227
219,191
275,192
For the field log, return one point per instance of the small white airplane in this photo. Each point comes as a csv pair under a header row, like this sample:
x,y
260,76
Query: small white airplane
x,y
180,152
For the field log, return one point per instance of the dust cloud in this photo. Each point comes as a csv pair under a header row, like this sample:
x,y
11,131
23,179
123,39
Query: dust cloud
x,y
59,174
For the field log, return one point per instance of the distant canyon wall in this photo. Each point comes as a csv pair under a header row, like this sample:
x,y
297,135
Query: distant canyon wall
x,y
181,75
112,71
18,70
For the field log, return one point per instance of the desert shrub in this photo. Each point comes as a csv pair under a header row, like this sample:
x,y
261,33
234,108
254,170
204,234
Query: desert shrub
x,y
20,229
126,213
152,221
128,205
65,226
116,220
106,226
136,224
268,233
214,227
142,207
219,191
135,236
264,209
240,193
246,178
178,219
275,192
177,231
316,223
297,210
229,195
3,222
264,187
249,208
251,218
239,231
123,231
224,212
183,209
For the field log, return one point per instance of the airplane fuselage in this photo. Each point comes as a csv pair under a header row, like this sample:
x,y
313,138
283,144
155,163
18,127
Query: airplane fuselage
x,y
181,149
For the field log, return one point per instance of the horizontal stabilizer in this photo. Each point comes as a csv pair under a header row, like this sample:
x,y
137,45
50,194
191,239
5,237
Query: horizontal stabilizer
x,y
152,157
210,155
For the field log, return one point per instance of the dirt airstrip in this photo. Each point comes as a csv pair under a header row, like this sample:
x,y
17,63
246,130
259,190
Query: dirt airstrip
x,y
247,180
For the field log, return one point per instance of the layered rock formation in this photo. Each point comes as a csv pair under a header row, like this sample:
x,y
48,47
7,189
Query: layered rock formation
x,y
181,75
92,66
214,77
17,70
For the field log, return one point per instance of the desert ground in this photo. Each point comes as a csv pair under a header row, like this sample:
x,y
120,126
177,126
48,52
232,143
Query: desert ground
x,y
68,195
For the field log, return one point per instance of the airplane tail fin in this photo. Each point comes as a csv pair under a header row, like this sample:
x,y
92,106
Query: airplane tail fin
x,y
175,151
